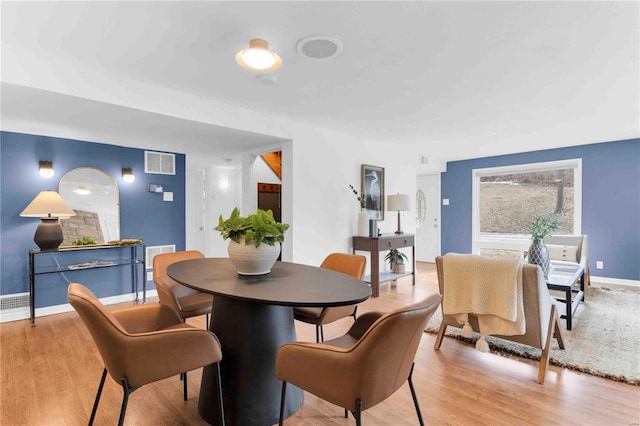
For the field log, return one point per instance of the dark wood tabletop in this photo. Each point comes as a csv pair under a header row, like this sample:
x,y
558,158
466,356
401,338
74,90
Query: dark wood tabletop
x,y
288,284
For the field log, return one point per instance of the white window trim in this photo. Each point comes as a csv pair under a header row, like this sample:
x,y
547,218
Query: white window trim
x,y
521,242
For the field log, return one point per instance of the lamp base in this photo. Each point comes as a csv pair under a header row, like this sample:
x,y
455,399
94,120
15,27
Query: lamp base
x,y
49,234
399,232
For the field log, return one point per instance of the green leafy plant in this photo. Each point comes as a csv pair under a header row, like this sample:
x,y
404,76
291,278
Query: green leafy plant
x,y
359,196
395,257
542,225
85,241
257,228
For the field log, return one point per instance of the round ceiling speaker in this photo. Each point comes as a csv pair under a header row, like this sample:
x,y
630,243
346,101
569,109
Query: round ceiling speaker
x,y
319,47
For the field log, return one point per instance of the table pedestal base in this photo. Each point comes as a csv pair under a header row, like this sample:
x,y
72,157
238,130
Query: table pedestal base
x,y
250,334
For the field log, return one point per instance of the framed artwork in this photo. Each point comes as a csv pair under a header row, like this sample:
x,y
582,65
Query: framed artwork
x,y
373,190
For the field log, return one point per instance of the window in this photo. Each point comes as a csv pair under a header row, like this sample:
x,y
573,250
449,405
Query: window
x,y
505,199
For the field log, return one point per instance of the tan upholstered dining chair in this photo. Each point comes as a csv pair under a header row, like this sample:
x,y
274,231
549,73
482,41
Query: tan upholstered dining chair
x,y
143,344
540,313
363,367
349,264
186,301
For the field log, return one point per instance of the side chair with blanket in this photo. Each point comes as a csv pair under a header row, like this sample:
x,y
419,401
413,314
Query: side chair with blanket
x,y
504,298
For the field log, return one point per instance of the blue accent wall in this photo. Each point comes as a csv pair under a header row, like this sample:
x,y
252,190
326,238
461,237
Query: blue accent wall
x,y
142,214
610,201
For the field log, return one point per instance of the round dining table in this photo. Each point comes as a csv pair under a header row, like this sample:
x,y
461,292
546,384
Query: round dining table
x,y
252,316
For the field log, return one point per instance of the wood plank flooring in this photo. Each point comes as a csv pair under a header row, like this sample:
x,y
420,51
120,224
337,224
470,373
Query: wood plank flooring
x,y
50,374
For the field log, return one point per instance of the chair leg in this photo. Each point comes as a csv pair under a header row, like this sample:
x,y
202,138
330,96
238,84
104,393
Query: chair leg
x,y
346,413
440,335
415,398
206,316
125,399
544,359
284,393
184,386
319,333
95,403
358,413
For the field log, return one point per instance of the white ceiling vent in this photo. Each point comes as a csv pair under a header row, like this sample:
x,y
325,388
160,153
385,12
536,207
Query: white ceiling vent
x,y
159,163
319,47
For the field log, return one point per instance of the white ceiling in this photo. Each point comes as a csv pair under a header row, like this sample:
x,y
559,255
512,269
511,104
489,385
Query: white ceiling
x,y
464,79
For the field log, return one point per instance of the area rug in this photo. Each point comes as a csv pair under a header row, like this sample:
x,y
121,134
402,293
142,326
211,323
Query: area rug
x,y
604,341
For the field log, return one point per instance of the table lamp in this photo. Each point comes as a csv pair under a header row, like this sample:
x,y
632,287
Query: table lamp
x,y
49,206
399,203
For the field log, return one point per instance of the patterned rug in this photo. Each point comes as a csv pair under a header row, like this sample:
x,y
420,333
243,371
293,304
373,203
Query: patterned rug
x,y
605,340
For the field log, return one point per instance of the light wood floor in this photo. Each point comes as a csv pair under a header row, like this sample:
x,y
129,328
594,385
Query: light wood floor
x,y
50,374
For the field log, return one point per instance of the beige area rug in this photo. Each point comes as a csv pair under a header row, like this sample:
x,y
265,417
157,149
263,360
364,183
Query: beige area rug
x,y
605,340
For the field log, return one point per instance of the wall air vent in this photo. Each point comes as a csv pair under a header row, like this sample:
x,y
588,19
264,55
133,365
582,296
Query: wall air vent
x,y
159,163
154,250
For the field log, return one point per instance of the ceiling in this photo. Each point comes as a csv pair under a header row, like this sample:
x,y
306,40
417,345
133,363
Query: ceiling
x,y
461,79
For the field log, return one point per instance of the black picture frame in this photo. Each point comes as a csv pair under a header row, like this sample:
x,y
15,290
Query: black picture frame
x,y
372,188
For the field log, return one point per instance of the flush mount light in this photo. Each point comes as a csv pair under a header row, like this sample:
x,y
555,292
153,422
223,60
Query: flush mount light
x,y
46,169
127,175
258,57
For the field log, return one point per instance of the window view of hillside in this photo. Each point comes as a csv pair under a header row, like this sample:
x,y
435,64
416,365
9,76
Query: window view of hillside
x,y
508,202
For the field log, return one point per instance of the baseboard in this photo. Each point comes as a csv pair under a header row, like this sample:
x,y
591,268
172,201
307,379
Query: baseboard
x,y
23,313
615,281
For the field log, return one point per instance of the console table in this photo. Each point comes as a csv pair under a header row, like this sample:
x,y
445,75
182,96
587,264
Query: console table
x,y
385,242
134,257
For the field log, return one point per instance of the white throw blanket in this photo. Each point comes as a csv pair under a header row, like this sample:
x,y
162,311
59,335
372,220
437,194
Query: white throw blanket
x,y
488,288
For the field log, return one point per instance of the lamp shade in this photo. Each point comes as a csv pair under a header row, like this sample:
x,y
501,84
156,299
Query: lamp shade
x,y
399,202
48,204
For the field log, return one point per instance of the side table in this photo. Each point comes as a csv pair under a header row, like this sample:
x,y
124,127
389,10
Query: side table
x,y
385,242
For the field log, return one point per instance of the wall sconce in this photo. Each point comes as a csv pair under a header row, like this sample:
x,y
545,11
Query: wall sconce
x,y
49,206
399,203
127,175
46,169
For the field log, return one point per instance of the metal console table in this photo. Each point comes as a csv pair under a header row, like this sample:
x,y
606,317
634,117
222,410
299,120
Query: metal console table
x,y
136,256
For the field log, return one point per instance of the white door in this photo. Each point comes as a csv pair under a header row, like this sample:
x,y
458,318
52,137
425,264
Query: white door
x,y
428,233
196,209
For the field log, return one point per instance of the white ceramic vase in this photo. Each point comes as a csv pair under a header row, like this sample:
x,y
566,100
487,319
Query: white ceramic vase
x,y
252,260
363,223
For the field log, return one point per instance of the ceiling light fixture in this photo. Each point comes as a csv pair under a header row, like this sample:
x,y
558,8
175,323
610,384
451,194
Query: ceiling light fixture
x,y
258,57
82,190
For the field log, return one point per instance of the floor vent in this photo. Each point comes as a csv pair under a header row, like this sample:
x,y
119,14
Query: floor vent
x,y
14,301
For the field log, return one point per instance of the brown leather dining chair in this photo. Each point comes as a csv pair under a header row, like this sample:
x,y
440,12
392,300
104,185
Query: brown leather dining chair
x,y
363,367
187,302
143,344
349,264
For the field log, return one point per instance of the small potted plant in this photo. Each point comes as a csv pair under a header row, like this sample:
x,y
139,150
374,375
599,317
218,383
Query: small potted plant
x,y
396,260
541,226
254,244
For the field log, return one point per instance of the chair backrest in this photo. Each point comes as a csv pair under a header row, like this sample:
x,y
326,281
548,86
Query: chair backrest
x,y
350,264
107,332
535,297
574,242
386,351
168,289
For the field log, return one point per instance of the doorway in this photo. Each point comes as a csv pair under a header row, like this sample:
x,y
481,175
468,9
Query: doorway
x,y
428,233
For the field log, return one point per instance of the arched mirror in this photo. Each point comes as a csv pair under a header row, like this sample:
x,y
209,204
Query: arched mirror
x,y
421,207
94,196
